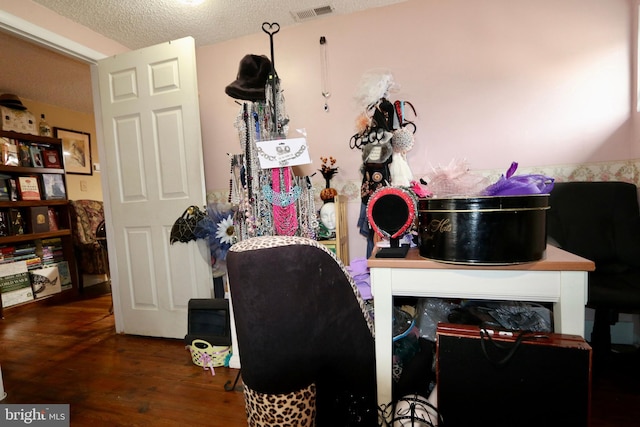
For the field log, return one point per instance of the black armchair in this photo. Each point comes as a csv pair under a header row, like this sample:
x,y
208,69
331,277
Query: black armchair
x,y
601,221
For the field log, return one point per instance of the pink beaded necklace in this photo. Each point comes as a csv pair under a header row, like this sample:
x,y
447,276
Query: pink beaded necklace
x,y
285,217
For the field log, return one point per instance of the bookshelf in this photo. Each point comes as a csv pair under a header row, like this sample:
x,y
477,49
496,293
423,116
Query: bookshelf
x,y
35,223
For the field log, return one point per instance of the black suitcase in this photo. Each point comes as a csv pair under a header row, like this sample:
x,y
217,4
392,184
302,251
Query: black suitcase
x,y
496,378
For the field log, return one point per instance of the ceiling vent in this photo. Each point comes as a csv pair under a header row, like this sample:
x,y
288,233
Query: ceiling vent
x,y
306,14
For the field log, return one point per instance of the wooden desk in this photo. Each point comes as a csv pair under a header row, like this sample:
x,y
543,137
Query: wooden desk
x,y
559,278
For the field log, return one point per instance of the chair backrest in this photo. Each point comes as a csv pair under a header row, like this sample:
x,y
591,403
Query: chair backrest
x,y
300,320
591,219
86,215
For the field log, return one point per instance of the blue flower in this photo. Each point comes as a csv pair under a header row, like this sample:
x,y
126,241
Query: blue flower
x,y
218,227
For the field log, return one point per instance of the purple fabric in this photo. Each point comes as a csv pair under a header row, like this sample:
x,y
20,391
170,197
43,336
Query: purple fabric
x,y
519,185
359,271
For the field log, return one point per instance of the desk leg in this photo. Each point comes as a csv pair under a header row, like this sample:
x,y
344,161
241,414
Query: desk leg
x,y
568,312
383,304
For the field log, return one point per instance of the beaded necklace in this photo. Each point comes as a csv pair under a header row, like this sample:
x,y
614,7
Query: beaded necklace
x,y
283,198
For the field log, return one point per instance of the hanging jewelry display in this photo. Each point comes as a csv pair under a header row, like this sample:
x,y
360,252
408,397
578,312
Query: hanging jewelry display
x,y
271,200
324,73
282,193
273,83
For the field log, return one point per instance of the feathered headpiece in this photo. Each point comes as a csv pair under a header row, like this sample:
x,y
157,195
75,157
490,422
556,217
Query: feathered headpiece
x,y
373,86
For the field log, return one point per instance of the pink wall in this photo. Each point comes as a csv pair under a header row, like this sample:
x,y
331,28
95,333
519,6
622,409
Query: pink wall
x,y
543,83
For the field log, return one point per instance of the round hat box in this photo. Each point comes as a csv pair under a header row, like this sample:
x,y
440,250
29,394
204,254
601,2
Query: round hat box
x,y
483,230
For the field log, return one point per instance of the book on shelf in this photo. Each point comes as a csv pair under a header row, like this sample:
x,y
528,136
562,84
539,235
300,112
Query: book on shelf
x,y
10,153
25,248
53,186
55,242
6,253
38,219
4,188
28,188
36,156
28,254
45,281
34,262
51,158
12,184
53,219
63,272
15,285
5,226
16,222
52,250
24,154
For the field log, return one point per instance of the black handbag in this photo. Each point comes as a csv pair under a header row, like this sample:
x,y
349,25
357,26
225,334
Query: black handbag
x,y
184,227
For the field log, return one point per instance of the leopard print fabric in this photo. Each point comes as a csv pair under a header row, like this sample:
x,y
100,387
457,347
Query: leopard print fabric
x,y
264,242
295,409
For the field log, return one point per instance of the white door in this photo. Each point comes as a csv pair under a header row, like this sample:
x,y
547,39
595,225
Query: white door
x,y
154,166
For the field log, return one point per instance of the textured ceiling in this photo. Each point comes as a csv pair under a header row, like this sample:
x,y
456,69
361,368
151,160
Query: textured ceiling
x,y
35,73
141,23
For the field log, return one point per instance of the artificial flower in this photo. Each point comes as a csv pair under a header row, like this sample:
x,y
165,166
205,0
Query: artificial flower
x,y
218,227
225,230
420,189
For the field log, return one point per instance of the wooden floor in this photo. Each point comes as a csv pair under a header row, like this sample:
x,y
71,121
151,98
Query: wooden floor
x,y
70,354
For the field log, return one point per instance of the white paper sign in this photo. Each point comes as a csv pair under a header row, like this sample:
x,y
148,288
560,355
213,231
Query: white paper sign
x,y
283,152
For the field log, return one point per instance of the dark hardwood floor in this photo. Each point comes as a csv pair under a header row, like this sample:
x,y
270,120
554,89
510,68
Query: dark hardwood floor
x,y
70,354
615,400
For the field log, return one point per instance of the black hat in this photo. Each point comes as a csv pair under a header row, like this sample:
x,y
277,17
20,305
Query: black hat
x,y
11,101
252,77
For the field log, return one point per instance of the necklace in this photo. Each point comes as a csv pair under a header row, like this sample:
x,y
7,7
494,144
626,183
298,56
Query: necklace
x,y
280,192
324,73
285,218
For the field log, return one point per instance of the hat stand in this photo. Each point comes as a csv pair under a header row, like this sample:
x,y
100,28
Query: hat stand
x,y
271,29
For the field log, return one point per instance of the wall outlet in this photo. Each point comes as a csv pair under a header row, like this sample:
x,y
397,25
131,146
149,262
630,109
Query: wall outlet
x,y
83,185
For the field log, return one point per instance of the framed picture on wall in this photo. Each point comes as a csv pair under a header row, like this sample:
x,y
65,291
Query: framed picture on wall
x,y
76,149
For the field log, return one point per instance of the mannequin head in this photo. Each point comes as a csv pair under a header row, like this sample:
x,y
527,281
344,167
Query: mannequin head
x,y
328,215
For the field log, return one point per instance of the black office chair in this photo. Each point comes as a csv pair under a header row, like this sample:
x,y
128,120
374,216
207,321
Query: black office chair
x,y
601,222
